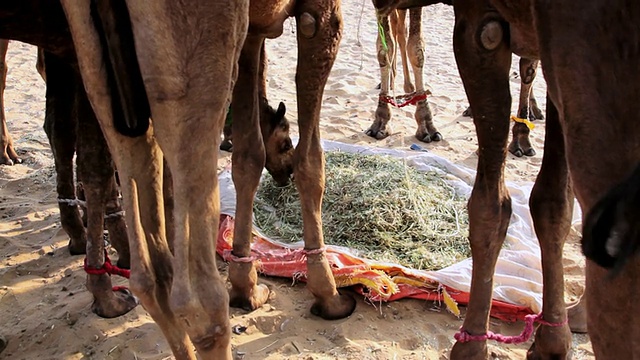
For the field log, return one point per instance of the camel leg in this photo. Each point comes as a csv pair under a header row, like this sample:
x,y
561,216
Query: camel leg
x,y
114,222
400,32
520,144
318,39
248,160
139,162
95,168
484,69
169,205
8,155
426,131
60,126
378,128
551,206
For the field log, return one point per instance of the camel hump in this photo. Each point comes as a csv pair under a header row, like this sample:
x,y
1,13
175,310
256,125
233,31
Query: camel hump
x,y
129,101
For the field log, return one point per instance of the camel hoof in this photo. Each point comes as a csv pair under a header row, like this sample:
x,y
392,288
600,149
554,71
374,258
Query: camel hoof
x,y
226,146
259,296
3,343
467,113
517,152
536,114
532,354
6,161
577,318
77,249
378,135
124,263
530,152
436,136
469,351
339,307
119,303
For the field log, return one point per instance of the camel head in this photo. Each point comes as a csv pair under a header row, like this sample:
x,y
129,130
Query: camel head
x,y
277,143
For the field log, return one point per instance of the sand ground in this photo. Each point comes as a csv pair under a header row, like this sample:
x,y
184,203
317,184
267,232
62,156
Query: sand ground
x,y
45,307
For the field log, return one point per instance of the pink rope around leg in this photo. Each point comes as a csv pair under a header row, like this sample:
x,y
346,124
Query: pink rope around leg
x,y
238,259
463,336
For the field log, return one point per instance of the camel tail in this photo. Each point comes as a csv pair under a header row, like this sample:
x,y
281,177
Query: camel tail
x,y
129,102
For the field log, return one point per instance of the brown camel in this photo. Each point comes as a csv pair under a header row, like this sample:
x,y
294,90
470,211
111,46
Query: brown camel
x,y
183,291
527,109
394,32
319,33
68,113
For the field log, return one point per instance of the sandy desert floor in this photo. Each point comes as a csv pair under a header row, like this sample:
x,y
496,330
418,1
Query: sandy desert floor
x,y
45,307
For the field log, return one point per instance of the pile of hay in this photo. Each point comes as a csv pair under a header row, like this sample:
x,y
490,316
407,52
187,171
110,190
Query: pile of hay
x,y
378,205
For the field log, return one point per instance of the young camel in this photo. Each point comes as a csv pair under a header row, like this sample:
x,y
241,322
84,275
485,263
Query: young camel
x,y
393,28
68,113
587,70
183,291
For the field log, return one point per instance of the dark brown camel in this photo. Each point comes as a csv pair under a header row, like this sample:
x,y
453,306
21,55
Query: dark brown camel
x,y
591,99
68,113
592,95
187,58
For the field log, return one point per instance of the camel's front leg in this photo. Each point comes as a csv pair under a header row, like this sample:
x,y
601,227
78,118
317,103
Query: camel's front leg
x,y
248,160
319,33
385,47
426,131
8,155
114,222
521,144
552,208
483,58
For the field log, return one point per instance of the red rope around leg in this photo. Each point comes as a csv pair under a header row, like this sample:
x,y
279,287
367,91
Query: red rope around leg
x,y
108,268
463,336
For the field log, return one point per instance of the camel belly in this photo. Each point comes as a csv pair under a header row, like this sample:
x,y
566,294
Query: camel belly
x,y
267,17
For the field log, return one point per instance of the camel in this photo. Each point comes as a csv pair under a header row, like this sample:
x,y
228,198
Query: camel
x,y
186,87
8,155
528,109
393,28
579,105
68,113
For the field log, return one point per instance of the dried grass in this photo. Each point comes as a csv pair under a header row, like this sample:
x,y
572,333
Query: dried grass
x,y
378,205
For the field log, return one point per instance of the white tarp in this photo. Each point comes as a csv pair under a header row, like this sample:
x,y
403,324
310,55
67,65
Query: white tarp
x,y
518,276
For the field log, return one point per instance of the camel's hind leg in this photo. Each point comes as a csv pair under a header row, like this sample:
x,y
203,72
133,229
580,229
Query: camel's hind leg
x,y
8,155
320,28
552,208
248,162
426,131
95,168
484,69
60,125
521,144
399,29
114,222
379,128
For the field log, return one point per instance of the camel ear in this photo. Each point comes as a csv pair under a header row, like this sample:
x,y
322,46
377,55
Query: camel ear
x,y
281,110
